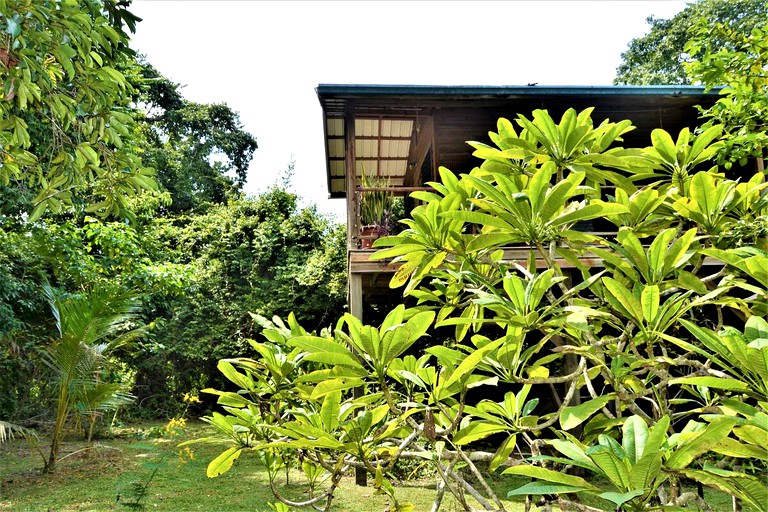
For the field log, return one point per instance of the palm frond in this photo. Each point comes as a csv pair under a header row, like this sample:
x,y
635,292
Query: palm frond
x,y
8,430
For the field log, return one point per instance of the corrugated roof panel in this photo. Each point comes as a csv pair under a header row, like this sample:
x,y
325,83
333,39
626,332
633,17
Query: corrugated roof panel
x,y
337,185
393,168
402,128
336,148
403,148
371,167
386,128
366,148
337,168
388,148
366,127
335,126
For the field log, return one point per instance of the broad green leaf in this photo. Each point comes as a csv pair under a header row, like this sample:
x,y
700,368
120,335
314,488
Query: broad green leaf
x,y
549,475
657,434
649,298
620,498
623,300
690,281
756,332
223,462
572,450
241,380
403,273
329,413
704,441
663,143
339,384
713,382
477,430
471,361
615,469
732,448
541,488
573,416
634,435
646,470
325,350
502,453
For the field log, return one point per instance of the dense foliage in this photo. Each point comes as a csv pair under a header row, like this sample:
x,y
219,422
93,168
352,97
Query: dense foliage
x,y
621,382
659,57
112,180
262,255
66,129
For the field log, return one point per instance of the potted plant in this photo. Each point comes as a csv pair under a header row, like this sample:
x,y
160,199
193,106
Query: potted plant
x,y
375,209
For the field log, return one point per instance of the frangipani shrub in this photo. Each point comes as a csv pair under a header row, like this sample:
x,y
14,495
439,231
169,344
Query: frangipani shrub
x,y
603,368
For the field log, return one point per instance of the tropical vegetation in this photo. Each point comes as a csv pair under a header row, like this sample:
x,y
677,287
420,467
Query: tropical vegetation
x,y
94,212
638,382
134,271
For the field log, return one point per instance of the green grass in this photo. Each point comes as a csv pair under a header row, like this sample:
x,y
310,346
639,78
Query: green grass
x,y
90,480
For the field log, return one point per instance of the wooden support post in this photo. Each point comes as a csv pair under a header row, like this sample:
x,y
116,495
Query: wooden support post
x,y
354,281
353,227
355,297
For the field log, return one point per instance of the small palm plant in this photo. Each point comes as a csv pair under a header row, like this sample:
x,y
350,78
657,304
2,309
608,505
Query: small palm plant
x,y
90,326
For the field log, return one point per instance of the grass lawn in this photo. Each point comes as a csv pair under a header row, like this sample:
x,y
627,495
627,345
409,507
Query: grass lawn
x,y
92,480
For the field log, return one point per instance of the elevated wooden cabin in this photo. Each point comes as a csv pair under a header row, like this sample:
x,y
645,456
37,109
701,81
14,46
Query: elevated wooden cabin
x,y
403,133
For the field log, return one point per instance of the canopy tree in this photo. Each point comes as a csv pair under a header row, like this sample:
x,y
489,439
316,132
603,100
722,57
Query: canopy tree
x,y
65,122
740,66
200,153
658,57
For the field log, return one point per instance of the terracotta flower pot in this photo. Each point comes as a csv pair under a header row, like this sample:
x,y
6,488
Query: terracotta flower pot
x,y
367,235
370,233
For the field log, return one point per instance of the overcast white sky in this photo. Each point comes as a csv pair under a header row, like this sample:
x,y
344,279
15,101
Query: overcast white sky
x,y
265,58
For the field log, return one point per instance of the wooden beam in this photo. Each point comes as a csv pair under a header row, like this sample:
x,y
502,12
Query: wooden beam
x,y
359,262
425,138
351,180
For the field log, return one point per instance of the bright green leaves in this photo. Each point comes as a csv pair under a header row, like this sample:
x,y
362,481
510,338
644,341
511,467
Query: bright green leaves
x,y
377,348
63,82
535,213
743,356
223,462
679,158
666,256
326,350
633,470
563,483
512,415
427,241
573,416
574,144
708,202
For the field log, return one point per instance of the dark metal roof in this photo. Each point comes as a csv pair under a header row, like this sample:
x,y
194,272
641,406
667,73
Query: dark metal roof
x,y
467,112
362,90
